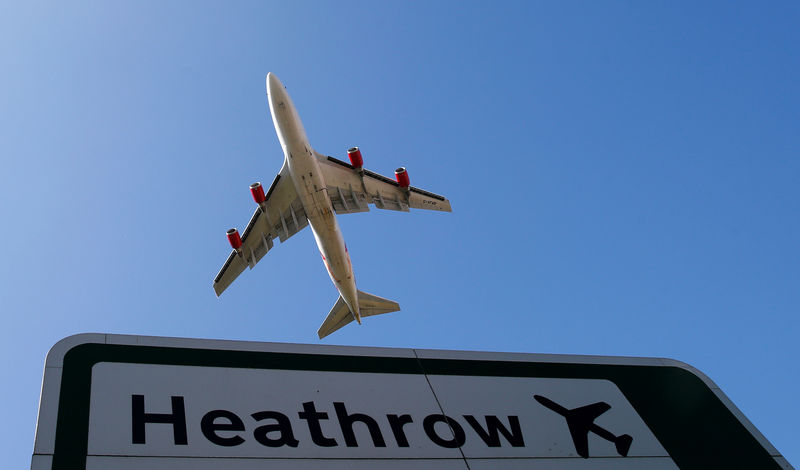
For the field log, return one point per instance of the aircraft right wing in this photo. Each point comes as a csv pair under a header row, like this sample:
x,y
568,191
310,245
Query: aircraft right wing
x,y
280,216
352,190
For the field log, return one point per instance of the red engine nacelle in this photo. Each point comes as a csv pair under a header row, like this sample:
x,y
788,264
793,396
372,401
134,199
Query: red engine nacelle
x,y
355,157
234,239
258,192
402,177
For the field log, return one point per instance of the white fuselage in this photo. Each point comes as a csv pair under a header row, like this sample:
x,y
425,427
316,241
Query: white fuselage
x,y
310,185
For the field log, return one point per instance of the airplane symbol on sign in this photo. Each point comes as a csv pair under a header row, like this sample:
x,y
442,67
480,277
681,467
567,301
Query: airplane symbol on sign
x,y
581,421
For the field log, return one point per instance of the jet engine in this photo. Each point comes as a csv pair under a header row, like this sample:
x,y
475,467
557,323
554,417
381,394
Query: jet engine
x,y
402,177
234,239
355,157
258,193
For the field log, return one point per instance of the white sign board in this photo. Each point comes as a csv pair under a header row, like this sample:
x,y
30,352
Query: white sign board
x,y
126,402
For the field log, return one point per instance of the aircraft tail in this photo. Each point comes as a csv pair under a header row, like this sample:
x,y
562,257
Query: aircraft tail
x,y
373,305
340,315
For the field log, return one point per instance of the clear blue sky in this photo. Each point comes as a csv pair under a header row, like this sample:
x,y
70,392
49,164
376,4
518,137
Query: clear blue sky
x,y
624,177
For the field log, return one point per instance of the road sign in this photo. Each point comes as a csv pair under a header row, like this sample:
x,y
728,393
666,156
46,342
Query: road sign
x,y
133,402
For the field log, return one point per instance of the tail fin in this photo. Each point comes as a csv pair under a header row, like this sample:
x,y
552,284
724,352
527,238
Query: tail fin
x,y
340,315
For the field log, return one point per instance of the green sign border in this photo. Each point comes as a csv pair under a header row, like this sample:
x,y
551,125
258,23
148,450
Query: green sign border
x,y
684,414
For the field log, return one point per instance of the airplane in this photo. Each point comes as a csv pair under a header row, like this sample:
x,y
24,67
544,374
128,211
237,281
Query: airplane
x,y
581,421
309,190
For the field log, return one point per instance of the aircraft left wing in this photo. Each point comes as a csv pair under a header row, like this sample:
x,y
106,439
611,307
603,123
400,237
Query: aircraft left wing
x,y
280,216
352,190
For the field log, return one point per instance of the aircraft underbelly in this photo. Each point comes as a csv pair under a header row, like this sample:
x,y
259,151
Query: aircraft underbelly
x,y
311,188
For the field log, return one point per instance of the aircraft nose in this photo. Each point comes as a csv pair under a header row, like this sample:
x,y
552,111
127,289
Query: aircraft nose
x,y
273,83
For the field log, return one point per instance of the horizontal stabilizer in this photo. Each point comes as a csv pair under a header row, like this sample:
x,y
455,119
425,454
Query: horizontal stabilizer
x,y
340,315
373,305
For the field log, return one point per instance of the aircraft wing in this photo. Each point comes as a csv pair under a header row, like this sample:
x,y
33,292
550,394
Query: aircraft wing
x,y
284,216
352,190
580,420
